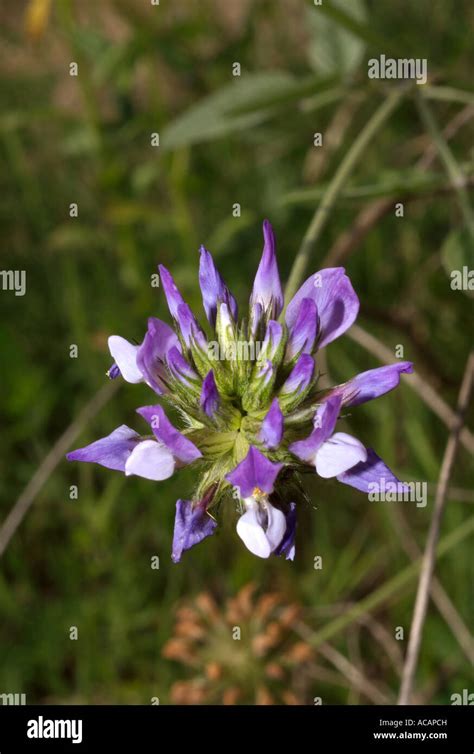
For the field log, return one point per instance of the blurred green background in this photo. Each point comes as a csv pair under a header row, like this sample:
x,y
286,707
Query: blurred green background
x,y
224,140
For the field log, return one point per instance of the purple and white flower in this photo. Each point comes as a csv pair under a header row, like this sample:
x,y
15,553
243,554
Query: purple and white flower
x,y
250,420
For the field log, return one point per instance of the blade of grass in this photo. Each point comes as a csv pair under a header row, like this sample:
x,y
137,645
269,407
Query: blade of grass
x,y
337,183
429,556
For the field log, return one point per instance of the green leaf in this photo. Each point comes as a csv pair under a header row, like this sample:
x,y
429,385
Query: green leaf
x,y
242,104
337,39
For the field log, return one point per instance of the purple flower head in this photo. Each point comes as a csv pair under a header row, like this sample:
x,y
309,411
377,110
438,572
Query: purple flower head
x,y
249,412
267,286
214,290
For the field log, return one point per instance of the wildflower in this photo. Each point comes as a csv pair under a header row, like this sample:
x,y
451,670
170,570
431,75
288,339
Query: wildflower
x,y
269,665
252,419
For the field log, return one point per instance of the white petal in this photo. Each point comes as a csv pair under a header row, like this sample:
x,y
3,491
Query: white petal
x,y
276,527
150,460
125,356
340,453
252,534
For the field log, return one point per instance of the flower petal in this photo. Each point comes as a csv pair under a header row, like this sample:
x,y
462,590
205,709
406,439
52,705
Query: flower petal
x,y
173,297
210,399
338,454
213,288
272,340
272,426
192,524
190,328
276,525
267,286
303,332
111,451
180,446
181,369
373,471
150,460
324,422
300,376
151,356
252,534
256,470
371,384
125,357
287,545
335,299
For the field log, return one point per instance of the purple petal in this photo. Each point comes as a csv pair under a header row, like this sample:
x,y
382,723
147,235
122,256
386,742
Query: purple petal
x,y
180,368
267,286
181,446
287,545
324,423
190,328
254,471
371,384
272,426
111,451
173,297
256,313
368,475
151,356
210,399
150,460
113,372
335,299
191,526
265,372
300,376
303,332
125,356
338,454
272,340
213,288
